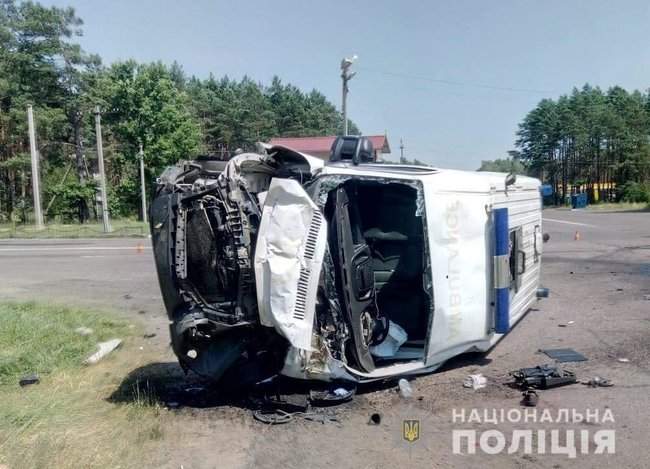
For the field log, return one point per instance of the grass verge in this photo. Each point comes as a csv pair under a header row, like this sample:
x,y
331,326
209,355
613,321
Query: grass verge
x,y
66,421
121,228
620,206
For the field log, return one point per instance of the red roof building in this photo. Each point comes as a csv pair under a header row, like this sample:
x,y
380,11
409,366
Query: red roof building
x,y
320,146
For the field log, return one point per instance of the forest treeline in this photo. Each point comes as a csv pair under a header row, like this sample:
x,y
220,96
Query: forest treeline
x,y
157,106
590,141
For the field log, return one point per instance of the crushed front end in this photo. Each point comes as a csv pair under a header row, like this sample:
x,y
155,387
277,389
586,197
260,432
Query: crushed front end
x,y
269,264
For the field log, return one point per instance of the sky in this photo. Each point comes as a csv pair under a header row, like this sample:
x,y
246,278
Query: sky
x,y
451,79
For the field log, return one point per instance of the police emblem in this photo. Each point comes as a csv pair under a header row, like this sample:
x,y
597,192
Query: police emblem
x,y
411,430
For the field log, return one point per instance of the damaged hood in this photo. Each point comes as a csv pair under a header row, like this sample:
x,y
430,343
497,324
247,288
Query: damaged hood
x,y
288,259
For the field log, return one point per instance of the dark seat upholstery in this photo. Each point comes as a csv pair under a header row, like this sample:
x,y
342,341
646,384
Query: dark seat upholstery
x,y
394,235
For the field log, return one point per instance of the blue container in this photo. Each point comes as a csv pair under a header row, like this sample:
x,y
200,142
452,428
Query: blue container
x,y
579,200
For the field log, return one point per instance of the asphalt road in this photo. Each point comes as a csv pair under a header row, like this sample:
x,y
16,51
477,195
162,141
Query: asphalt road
x,y
598,306
110,274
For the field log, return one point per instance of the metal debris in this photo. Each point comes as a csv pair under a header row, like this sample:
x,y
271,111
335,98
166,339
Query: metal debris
x,y
563,355
542,377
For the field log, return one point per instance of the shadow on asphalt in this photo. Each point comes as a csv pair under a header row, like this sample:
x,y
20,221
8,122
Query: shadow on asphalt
x,y
167,384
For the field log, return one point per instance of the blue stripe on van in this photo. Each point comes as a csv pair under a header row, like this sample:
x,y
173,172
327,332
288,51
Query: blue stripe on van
x,y
501,245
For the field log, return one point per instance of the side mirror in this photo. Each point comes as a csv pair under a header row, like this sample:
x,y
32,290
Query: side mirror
x,y
511,178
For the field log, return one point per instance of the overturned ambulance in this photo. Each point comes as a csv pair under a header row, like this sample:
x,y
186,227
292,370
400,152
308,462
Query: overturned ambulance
x,y
276,262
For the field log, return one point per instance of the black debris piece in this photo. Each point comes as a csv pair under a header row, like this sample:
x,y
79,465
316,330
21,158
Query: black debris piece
x,y
31,378
333,396
542,377
375,419
563,355
530,398
279,416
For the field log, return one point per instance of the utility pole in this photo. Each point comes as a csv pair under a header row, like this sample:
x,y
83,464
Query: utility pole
x,y
102,176
36,186
144,192
401,150
346,76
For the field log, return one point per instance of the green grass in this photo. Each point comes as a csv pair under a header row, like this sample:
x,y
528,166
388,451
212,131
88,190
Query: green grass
x,y
121,228
67,420
620,206
42,339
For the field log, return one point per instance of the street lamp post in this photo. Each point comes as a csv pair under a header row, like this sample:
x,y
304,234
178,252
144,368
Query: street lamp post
x,y
346,76
143,190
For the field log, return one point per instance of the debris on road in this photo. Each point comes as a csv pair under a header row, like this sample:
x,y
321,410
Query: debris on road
x,y
624,360
331,397
542,377
375,419
279,416
103,349
564,355
405,389
149,335
530,398
598,382
83,330
475,382
31,378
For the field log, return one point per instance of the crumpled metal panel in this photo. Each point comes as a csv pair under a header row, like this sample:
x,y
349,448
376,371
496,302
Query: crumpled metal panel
x,y
288,260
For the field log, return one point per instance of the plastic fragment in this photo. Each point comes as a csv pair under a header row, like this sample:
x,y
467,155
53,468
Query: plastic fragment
x,y
103,349
475,382
405,389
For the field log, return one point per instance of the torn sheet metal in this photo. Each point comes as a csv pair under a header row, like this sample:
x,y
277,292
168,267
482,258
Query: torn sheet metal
x,y
288,260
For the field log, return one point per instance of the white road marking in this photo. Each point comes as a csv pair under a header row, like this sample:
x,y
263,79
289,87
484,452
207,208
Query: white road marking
x,y
568,222
78,248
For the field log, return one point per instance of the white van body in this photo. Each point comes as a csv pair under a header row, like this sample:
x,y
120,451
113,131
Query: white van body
x,y
342,271
458,206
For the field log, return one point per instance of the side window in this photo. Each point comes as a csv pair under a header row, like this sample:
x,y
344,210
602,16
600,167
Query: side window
x,y
517,258
537,242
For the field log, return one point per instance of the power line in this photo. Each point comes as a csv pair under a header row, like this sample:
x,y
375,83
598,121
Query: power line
x,y
458,83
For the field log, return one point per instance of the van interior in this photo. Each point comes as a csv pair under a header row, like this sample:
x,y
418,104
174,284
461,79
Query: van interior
x,y
377,241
